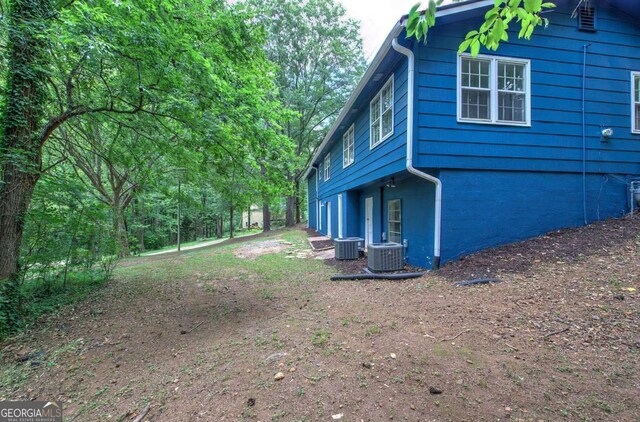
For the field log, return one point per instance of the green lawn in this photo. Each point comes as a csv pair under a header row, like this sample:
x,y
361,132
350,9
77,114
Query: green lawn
x,y
197,242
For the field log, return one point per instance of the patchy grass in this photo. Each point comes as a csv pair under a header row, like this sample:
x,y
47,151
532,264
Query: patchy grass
x,y
557,340
321,338
40,297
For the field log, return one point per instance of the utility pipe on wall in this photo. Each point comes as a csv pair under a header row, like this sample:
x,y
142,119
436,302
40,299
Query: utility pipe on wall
x,y
584,133
438,184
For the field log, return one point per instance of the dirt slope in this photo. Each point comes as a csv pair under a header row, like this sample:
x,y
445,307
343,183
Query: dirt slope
x,y
558,339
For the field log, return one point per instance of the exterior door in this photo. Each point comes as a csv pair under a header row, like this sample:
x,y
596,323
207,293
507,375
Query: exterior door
x,y
368,221
329,219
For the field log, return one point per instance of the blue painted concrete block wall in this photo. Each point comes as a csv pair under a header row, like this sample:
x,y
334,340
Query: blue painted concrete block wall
x,y
352,214
482,209
417,207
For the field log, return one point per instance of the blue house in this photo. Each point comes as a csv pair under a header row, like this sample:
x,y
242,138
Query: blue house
x,y
449,154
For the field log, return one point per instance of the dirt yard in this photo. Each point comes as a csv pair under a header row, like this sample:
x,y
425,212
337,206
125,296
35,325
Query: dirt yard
x,y
230,334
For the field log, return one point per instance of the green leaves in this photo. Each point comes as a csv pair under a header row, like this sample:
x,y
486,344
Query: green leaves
x,y
495,27
419,23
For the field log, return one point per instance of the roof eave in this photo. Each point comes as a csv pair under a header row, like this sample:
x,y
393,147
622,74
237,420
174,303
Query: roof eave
x,y
386,46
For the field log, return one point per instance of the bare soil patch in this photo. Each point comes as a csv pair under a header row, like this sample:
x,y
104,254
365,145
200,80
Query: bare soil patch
x,y
256,249
558,339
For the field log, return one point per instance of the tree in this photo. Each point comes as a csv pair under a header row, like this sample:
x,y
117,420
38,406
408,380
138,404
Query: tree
x,y
115,161
494,28
319,54
196,68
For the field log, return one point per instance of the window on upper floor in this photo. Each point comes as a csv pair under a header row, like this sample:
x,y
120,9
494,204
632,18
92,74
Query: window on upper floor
x,y
494,90
395,221
327,167
381,114
348,147
635,102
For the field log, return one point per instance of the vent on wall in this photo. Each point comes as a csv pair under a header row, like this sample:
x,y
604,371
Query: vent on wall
x,y
587,18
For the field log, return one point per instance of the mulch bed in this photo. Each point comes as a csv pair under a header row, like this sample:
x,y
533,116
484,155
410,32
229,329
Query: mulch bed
x,y
357,266
321,244
559,246
556,247
312,232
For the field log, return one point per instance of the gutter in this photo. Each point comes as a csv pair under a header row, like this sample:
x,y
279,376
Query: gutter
x,y
437,227
446,10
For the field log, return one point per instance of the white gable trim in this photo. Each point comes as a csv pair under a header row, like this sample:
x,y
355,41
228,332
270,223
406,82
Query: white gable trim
x,y
386,46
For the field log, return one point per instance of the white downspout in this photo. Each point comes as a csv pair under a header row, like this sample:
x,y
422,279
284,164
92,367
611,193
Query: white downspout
x,y
438,205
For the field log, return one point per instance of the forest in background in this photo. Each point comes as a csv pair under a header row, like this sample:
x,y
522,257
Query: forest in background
x,y
109,107
114,112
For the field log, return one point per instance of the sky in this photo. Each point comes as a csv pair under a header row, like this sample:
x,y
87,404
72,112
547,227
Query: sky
x,y
377,17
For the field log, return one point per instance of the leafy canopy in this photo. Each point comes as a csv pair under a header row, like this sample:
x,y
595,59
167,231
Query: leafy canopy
x,y
493,30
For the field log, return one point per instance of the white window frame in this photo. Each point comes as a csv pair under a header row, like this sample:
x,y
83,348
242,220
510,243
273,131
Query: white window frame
x,y
389,221
635,102
348,147
326,165
493,88
378,97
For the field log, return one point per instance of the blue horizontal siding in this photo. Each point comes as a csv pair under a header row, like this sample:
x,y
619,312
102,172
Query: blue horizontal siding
x,y
370,164
311,199
555,134
500,183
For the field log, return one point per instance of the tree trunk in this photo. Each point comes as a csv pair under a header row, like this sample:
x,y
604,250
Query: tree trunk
x,y
119,231
296,192
290,211
20,152
15,195
195,226
266,217
139,211
230,222
219,226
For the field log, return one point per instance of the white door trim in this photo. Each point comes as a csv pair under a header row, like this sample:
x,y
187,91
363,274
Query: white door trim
x,y
368,221
328,205
340,224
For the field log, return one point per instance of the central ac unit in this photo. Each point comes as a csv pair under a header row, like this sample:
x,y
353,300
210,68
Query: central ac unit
x,y
348,248
385,256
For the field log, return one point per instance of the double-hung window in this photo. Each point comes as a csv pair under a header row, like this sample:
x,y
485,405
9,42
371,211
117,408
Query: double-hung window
x,y
381,114
327,167
635,102
395,221
494,90
348,147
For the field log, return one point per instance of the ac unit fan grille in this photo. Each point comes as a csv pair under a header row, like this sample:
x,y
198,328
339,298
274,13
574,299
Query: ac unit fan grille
x,y
385,256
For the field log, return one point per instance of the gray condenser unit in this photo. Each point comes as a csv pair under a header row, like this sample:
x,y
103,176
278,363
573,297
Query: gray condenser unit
x,y
347,248
385,256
